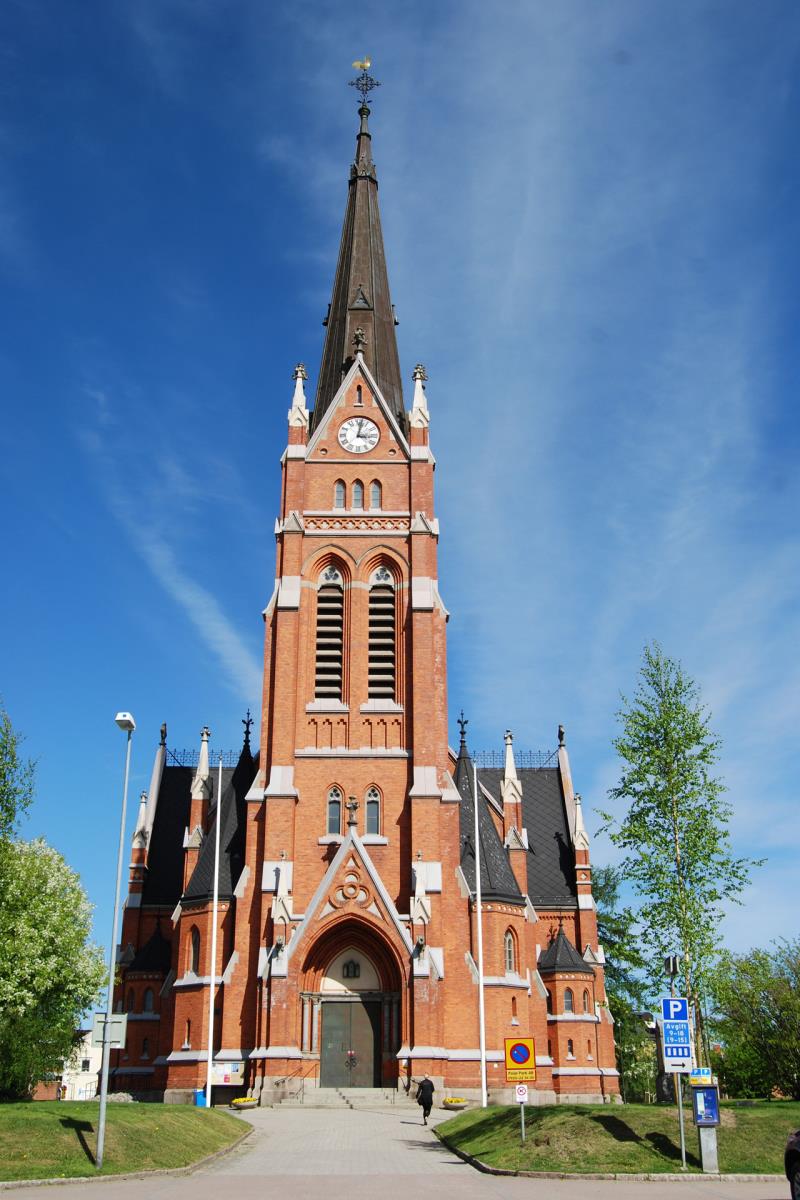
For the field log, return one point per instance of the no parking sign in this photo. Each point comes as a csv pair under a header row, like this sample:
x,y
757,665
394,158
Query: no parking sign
x,y
520,1059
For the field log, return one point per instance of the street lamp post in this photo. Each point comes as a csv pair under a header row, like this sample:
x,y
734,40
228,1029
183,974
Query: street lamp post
x,y
126,722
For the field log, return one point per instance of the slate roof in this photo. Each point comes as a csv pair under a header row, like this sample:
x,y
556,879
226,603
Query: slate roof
x,y
164,877
154,955
360,296
561,955
498,881
551,862
235,785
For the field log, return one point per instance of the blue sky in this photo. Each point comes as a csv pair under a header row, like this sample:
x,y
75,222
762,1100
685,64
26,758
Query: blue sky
x,y
591,220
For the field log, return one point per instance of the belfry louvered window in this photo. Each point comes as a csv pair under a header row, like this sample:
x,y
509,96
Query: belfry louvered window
x,y
330,636
382,648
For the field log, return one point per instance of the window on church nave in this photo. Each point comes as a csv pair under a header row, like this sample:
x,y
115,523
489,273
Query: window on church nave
x,y
373,822
339,494
381,684
147,1000
375,494
334,816
358,494
330,636
569,1001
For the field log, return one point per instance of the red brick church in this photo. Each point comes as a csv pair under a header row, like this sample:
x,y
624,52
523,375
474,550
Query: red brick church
x,y
347,924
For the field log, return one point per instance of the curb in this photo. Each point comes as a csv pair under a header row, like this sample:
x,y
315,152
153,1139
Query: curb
x,y
647,1177
6,1185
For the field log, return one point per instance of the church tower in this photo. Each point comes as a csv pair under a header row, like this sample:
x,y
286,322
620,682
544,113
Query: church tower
x,y
347,927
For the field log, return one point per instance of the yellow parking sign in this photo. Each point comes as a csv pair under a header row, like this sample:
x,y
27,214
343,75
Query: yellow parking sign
x,y
520,1059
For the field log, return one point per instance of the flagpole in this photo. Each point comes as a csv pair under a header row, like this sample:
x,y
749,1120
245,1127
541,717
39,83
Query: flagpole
x,y
481,1012
212,972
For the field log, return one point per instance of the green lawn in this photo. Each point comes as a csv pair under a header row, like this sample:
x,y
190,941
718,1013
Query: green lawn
x,y
625,1137
48,1140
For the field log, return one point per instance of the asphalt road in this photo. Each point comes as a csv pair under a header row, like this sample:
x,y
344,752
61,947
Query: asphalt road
x,y
385,1153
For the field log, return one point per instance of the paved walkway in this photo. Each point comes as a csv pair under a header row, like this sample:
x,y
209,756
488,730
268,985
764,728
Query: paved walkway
x,y
383,1153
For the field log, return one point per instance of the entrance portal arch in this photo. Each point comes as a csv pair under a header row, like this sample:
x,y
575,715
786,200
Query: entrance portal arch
x,y
351,989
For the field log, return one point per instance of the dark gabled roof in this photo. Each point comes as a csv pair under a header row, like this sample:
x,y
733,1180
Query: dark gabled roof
x,y
154,955
498,881
551,859
235,785
561,955
164,877
360,296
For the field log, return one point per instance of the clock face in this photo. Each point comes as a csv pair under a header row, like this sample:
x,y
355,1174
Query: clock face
x,y
358,435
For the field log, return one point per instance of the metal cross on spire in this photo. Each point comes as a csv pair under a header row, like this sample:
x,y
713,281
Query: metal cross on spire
x,y
462,725
247,722
364,82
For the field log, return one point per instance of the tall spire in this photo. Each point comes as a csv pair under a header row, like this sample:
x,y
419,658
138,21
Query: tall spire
x,y
360,297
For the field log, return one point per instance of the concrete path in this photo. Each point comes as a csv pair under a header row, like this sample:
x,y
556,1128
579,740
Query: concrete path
x,y
371,1154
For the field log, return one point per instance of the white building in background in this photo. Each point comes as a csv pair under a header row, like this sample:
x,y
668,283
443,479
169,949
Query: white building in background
x,y
82,1071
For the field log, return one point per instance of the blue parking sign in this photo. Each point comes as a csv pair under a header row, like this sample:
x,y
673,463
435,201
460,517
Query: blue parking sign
x,y
675,1008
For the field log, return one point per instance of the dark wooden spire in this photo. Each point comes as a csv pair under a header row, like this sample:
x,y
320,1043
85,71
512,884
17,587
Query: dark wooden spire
x,y
360,298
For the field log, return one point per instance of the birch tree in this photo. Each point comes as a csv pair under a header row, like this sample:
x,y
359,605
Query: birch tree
x,y
671,818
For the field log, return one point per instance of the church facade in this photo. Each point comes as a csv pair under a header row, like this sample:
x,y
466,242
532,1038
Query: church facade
x,y
347,935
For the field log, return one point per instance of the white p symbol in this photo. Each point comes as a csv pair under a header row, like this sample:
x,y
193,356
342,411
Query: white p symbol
x,y
675,1006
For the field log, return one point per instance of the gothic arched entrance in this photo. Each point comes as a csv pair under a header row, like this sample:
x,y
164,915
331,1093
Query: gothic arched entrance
x,y
351,1007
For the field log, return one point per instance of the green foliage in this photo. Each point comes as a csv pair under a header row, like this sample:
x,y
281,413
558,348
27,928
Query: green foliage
x,y
756,1016
49,972
625,988
16,778
674,827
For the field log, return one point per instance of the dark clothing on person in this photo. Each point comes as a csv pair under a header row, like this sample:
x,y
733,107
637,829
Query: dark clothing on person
x,y
425,1092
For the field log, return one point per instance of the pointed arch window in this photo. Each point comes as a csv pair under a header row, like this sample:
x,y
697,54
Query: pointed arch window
x,y
382,637
145,1048
569,1001
330,636
147,1000
375,494
586,1001
549,1001
358,494
194,951
333,822
131,1000
509,952
339,496
570,1048
373,806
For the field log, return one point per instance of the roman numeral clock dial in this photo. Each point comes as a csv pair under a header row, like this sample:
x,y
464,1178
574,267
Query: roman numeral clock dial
x,y
358,435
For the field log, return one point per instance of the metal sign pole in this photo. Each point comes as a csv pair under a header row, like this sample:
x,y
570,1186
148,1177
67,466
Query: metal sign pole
x,y
678,1081
522,1120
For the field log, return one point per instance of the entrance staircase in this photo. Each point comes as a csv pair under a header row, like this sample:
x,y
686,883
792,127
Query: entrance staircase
x,y
332,1097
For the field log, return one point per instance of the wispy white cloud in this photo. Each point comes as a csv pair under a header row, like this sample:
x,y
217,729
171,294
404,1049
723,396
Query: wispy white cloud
x,y
163,503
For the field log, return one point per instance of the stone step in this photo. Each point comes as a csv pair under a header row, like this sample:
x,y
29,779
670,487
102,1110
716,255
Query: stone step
x,y
313,1097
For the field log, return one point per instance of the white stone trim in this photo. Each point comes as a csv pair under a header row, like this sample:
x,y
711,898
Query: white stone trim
x,y
341,752
584,901
380,706
289,592
426,783
281,783
133,899
554,1018
576,1070
422,593
327,706
429,874
374,839
270,872
276,1052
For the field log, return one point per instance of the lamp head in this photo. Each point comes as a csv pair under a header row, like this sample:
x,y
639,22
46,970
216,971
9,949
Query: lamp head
x,y
125,721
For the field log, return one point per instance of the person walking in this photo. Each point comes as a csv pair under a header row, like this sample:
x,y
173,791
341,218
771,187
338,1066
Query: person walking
x,y
425,1092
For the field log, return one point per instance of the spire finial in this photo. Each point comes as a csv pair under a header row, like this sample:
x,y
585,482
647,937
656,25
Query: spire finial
x,y
359,340
462,725
352,809
164,734
561,736
248,723
364,82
